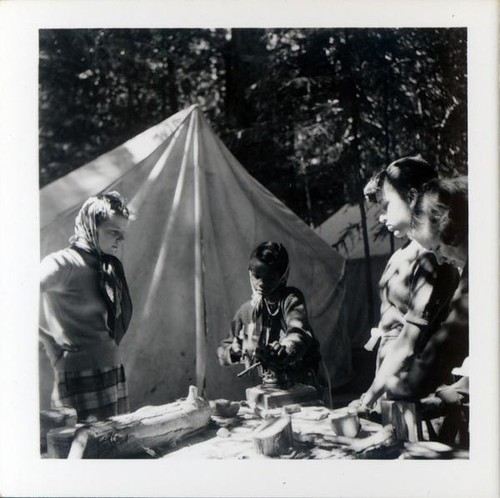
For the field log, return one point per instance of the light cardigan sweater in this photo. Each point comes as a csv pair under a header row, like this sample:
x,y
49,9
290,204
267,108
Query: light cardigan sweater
x,y
74,314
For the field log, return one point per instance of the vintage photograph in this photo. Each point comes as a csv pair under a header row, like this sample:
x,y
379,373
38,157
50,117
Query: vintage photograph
x,y
237,245
254,242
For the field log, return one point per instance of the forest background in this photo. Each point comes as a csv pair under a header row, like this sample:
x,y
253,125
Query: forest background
x,y
310,113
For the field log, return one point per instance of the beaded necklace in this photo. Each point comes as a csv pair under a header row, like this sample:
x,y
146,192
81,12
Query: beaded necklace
x,y
269,309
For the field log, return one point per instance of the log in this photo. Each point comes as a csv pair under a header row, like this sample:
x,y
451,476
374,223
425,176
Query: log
x,y
143,431
55,419
402,415
59,441
274,437
378,442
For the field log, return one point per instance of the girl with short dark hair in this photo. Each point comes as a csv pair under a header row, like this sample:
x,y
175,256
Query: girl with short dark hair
x,y
440,224
415,291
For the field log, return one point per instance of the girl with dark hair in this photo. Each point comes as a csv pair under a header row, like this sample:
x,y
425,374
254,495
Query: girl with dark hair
x,y
274,324
415,291
86,310
438,377
440,224
440,219
400,183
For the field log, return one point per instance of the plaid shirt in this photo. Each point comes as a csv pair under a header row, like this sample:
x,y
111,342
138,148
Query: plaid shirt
x,y
447,348
415,289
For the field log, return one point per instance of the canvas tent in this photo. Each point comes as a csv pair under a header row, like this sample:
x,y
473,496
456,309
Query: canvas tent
x,y
345,225
199,215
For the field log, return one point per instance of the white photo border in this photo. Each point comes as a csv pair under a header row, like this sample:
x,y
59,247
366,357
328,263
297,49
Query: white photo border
x,y
23,472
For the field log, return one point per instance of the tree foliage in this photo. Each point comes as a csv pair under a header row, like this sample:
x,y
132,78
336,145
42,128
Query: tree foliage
x,y
311,113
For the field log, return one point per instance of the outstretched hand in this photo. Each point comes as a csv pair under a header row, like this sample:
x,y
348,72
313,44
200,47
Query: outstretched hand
x,y
272,355
359,407
294,348
355,406
235,350
277,349
280,354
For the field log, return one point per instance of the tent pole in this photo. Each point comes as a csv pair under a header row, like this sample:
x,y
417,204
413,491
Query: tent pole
x,y
201,343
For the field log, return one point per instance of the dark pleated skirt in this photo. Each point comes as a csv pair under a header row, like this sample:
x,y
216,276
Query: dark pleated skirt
x,y
95,394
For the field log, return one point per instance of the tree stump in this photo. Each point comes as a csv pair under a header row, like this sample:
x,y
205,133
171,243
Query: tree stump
x,y
143,431
54,419
402,415
274,437
59,441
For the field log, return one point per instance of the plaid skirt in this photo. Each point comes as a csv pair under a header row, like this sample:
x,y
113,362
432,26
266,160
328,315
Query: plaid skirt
x,y
95,394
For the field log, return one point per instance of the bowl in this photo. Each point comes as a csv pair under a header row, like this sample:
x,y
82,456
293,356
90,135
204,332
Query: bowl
x,y
344,423
429,450
225,408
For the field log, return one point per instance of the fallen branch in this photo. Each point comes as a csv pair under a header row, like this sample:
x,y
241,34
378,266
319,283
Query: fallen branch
x,y
142,431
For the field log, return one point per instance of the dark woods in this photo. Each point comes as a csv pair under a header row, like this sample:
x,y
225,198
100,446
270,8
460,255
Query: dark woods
x,y
311,113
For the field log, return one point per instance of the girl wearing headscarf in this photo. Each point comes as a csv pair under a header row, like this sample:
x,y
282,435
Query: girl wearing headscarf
x,y
273,327
86,310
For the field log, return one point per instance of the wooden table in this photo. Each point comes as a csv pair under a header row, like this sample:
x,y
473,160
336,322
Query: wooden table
x,y
311,437
227,438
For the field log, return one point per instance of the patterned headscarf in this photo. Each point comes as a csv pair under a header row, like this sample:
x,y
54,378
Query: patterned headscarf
x,y
267,302
111,274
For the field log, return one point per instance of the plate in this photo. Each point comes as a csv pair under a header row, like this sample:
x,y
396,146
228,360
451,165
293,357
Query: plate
x,y
429,449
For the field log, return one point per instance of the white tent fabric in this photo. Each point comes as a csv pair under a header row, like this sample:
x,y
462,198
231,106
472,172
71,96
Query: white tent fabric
x,y
199,215
332,230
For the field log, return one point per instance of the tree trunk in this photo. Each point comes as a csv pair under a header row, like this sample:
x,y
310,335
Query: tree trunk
x,y
402,415
172,91
353,92
387,136
305,177
244,57
142,431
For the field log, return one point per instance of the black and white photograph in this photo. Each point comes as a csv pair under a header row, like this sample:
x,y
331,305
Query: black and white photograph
x,y
247,267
